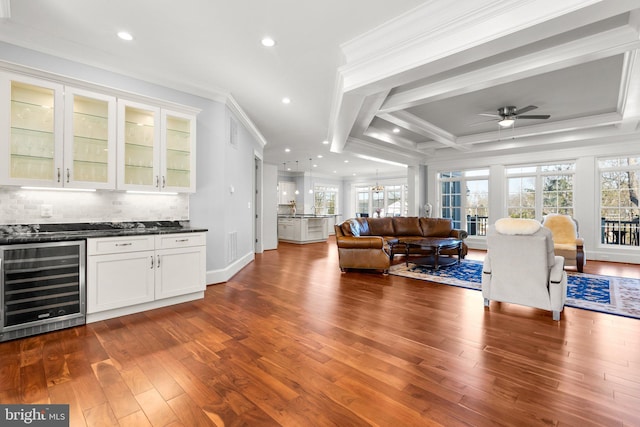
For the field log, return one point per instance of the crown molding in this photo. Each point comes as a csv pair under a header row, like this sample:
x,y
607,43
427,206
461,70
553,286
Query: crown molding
x,y
410,41
242,117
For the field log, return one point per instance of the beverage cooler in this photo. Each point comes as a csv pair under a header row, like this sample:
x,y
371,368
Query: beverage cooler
x,y
43,288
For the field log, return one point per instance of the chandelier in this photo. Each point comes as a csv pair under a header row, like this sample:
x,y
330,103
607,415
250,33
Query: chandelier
x,y
377,188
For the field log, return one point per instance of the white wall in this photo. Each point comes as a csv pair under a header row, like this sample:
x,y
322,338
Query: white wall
x,y
270,207
224,201
586,190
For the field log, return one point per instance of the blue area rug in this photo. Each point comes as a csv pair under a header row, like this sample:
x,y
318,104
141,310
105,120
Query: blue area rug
x,y
607,294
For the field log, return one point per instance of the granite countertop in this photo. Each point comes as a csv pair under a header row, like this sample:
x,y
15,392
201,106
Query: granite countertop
x,y
31,233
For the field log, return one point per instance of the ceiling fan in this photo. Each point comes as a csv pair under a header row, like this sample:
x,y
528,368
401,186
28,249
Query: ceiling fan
x,y
507,116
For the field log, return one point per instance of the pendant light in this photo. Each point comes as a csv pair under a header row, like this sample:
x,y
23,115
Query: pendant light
x,y
311,176
377,188
297,192
284,169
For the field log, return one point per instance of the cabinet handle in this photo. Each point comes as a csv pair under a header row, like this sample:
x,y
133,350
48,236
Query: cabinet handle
x,y
181,240
152,262
164,181
68,175
157,181
158,265
124,244
58,174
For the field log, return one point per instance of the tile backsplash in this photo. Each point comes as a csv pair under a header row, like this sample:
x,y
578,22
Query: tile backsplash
x,y
19,206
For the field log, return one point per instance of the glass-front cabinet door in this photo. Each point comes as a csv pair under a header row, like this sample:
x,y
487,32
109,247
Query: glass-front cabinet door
x,y
90,143
138,146
178,152
31,124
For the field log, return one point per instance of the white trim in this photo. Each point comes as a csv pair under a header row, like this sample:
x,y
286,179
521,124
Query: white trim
x,y
239,113
94,87
224,274
436,30
123,311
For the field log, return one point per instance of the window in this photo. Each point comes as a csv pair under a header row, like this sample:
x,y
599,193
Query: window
x,y
362,202
394,200
325,197
390,201
466,192
535,191
619,188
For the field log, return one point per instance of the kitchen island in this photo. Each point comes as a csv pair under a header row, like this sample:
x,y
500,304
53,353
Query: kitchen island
x,y
302,229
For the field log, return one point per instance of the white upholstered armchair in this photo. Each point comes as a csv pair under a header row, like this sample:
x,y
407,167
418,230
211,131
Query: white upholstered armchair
x,y
520,266
566,241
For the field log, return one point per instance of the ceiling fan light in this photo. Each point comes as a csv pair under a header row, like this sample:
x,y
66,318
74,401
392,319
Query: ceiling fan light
x,y
506,122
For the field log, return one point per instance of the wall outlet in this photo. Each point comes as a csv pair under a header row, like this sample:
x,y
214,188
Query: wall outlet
x,y
46,211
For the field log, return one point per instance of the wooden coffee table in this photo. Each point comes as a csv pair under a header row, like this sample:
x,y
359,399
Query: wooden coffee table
x,y
434,245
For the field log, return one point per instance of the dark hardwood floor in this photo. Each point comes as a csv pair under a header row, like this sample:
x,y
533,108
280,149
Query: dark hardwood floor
x,y
292,341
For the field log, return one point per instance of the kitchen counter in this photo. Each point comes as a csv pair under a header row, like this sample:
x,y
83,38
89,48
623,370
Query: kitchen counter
x,y
30,233
303,229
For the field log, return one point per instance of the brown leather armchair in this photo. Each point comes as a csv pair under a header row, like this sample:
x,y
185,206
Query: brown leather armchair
x,y
361,252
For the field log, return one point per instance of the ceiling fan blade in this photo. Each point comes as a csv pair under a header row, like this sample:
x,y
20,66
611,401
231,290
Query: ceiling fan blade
x,y
540,116
525,109
490,115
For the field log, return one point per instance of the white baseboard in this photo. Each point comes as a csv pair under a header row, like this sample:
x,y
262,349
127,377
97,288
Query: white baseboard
x,y
223,275
123,311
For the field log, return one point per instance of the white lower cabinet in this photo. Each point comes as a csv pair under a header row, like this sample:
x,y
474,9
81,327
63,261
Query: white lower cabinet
x,y
180,264
131,274
119,280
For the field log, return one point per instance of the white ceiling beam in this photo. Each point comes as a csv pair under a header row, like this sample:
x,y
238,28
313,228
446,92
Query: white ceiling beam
x,y
563,140
543,129
629,96
587,49
346,115
417,125
367,113
385,151
412,45
381,135
5,9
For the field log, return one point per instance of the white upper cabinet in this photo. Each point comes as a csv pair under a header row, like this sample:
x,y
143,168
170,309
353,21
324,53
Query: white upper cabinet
x,y
178,157
52,135
89,140
138,146
156,149
31,126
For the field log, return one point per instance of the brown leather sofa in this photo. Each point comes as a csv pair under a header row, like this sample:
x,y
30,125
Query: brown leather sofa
x,y
371,243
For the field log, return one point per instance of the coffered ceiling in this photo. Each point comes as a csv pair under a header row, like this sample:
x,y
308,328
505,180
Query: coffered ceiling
x,y
420,98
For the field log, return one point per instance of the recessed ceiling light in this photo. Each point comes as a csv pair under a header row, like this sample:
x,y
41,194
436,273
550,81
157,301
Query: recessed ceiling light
x,y
287,150
325,142
286,100
315,166
346,161
319,156
396,130
125,36
335,171
354,174
268,42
